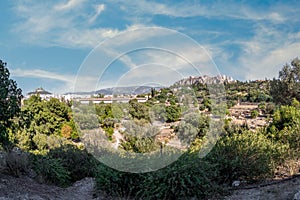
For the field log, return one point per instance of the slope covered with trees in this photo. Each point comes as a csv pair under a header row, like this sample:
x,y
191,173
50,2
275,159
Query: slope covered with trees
x,y
49,139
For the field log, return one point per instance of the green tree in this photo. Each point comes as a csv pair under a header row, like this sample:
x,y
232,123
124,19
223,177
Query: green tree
x,y
42,123
138,110
287,87
173,113
10,102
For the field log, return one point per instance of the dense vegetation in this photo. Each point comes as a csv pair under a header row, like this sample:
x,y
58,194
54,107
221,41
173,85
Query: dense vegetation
x,y
49,138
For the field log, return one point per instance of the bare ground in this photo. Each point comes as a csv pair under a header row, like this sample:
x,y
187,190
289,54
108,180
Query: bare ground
x,y
284,189
24,188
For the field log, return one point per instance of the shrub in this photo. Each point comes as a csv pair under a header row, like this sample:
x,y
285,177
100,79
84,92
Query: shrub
x,y
116,183
254,114
246,156
51,170
188,177
79,163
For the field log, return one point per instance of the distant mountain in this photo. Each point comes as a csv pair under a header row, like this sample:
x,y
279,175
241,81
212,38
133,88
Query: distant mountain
x,y
147,89
204,80
135,90
127,90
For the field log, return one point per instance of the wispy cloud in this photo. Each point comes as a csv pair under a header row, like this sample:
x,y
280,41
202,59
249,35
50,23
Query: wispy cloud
x,y
51,25
68,5
264,55
38,73
99,9
249,40
234,10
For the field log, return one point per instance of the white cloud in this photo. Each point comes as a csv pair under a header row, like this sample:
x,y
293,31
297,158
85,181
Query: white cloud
x,y
38,73
69,5
48,24
88,38
264,55
99,9
270,63
215,10
71,24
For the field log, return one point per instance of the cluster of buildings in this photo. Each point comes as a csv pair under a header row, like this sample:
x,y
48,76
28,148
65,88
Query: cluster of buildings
x,y
84,98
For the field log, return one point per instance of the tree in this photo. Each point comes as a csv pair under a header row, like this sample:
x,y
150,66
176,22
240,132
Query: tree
x,y
10,102
287,87
173,113
138,110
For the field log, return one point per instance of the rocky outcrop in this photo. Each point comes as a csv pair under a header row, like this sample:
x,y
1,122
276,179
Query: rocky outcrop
x,y
204,80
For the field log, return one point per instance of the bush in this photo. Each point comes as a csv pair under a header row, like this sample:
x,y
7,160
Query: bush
x,y
254,114
78,163
51,170
188,177
246,156
116,183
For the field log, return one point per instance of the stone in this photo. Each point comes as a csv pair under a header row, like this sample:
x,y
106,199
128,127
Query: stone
x,y
297,196
236,183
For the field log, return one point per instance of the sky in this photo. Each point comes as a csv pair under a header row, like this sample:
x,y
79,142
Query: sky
x,y
80,45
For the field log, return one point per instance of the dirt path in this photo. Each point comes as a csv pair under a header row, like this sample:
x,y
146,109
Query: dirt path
x,y
282,190
24,188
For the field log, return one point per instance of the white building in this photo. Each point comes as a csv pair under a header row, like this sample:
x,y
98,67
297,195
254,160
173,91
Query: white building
x,y
45,95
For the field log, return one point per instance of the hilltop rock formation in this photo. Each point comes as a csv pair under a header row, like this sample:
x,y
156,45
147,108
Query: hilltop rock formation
x,y
204,80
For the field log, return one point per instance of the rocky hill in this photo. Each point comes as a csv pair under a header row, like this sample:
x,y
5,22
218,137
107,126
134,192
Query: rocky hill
x,y
204,80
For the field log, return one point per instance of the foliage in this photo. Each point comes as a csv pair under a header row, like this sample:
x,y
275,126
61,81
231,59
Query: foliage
x,y
79,163
116,183
51,170
139,137
139,144
285,116
173,113
158,112
138,110
10,102
246,156
287,87
193,125
66,131
286,126
86,121
188,177
254,113
42,123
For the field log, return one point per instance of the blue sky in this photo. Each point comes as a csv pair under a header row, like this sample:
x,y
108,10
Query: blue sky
x,y
50,43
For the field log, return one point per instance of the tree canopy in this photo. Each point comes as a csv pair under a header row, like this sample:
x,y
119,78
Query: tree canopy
x,y
10,101
287,87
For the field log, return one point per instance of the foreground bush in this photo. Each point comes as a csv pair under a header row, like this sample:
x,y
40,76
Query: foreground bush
x,y
51,170
116,183
64,165
246,156
79,163
188,177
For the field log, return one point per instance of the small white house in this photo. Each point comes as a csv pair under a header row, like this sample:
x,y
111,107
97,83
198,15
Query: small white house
x,y
45,95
